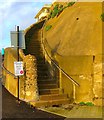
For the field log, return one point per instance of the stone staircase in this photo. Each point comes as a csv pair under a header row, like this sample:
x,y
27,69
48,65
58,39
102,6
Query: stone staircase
x,y
49,92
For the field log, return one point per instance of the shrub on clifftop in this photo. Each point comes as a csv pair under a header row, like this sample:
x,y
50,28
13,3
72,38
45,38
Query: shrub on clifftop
x,y
58,9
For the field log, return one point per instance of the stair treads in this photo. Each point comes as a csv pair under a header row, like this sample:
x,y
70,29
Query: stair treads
x,y
53,97
47,86
48,91
51,102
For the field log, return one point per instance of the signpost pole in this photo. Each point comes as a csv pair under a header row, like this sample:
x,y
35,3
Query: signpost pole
x,y
18,57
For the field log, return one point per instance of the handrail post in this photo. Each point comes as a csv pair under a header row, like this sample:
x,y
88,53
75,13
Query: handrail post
x,y
60,77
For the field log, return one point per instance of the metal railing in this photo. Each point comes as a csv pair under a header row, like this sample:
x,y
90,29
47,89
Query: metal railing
x,y
66,74
10,73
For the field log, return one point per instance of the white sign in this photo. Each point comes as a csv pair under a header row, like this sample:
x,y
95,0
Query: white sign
x,y
18,68
21,39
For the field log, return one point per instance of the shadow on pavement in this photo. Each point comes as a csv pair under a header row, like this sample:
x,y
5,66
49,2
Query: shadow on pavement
x,y
13,110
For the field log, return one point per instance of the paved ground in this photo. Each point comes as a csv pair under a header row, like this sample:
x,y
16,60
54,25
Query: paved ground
x,y
11,109
77,111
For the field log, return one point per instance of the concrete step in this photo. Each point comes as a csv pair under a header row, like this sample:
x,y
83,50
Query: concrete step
x,y
42,74
35,49
38,51
35,54
36,37
36,40
39,57
51,102
41,62
49,91
47,86
41,65
50,81
40,77
36,44
39,72
53,97
42,68
37,33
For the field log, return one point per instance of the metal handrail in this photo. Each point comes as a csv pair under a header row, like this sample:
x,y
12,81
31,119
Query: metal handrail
x,y
66,74
2,65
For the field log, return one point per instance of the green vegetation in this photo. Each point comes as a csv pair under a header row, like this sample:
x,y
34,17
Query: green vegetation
x,y
48,27
70,4
56,6
102,17
82,103
61,8
54,13
58,9
87,103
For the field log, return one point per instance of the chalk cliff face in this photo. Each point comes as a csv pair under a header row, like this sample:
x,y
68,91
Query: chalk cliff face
x,y
77,31
75,42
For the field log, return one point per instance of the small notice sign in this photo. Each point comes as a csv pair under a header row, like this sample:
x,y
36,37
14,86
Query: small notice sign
x,y
18,68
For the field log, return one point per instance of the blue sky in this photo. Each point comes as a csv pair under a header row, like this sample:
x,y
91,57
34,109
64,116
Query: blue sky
x,y
15,12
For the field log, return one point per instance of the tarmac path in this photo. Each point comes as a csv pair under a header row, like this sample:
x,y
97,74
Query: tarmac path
x,y
13,110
